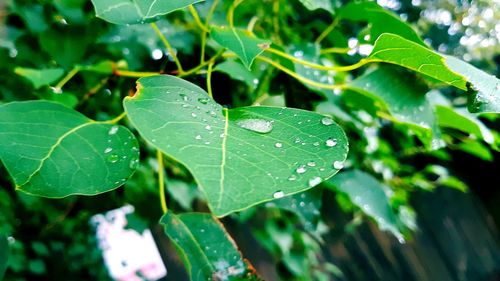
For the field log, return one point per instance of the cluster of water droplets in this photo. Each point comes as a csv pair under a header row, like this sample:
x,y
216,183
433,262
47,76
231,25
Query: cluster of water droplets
x,y
116,153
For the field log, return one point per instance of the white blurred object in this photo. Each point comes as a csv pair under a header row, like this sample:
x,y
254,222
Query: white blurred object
x,y
128,255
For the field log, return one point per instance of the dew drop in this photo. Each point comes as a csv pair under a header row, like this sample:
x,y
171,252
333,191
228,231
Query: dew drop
x,y
207,127
108,150
292,178
331,142
193,114
327,121
314,181
338,165
301,169
203,100
198,137
256,125
133,163
311,164
184,97
278,145
278,194
316,143
113,158
113,130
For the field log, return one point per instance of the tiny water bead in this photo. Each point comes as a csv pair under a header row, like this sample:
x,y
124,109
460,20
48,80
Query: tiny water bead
x,y
108,150
203,100
292,178
314,181
198,137
338,165
113,158
327,121
331,142
278,194
301,169
256,125
113,130
311,164
278,145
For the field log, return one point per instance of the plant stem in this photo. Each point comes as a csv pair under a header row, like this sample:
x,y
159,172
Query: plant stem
x,y
167,44
276,21
161,181
318,66
196,17
327,31
116,119
200,66
209,79
134,74
68,77
300,78
206,30
230,12
335,50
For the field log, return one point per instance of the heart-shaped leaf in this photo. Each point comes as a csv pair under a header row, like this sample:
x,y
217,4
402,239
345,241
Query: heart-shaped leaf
x,y
240,157
392,48
136,11
51,150
208,252
242,42
369,195
4,254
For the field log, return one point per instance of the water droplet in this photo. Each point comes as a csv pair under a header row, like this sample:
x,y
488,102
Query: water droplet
x,y
113,158
302,204
203,100
184,105
184,97
133,163
316,143
255,81
311,164
207,142
338,165
301,169
278,145
207,127
198,137
193,114
327,121
278,194
331,142
202,230
256,125
314,181
222,135
292,178
108,150
113,130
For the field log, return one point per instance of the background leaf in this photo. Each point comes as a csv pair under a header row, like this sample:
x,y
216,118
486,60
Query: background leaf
x,y
40,77
4,254
279,151
205,248
136,11
53,151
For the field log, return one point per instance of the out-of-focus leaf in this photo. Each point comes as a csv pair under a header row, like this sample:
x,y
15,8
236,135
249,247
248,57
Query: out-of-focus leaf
x,y
305,205
136,11
40,77
63,98
238,72
380,20
369,195
242,42
279,151
184,193
4,254
53,151
207,251
485,88
404,98
318,4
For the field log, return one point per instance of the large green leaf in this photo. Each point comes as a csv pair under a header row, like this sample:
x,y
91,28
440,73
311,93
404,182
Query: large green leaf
x,y
4,255
391,48
369,195
207,251
485,96
136,11
51,150
404,98
240,157
380,20
242,42
40,77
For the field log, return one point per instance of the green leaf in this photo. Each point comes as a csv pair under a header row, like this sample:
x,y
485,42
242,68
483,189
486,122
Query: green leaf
x,y
404,98
207,251
242,42
394,49
53,151
459,118
240,157
380,20
136,11
318,4
486,88
4,254
40,77
238,72
305,205
369,195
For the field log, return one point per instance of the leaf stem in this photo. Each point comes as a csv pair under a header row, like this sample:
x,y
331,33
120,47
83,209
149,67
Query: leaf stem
x,y
196,17
167,44
230,12
202,65
68,77
300,78
116,119
134,74
327,31
209,79
318,66
161,181
206,30
335,50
